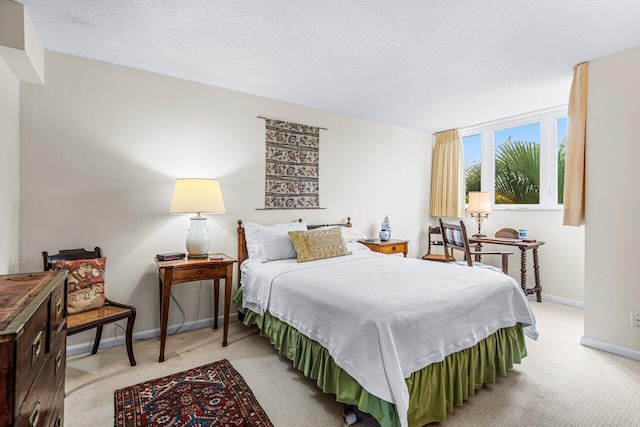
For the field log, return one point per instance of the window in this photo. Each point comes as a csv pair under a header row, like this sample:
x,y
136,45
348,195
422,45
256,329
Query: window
x,y
561,141
517,165
472,148
519,160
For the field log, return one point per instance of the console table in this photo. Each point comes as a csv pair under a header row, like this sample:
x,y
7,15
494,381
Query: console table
x,y
524,247
192,270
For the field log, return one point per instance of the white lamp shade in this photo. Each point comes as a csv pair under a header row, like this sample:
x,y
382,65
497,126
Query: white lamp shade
x,y
197,195
479,201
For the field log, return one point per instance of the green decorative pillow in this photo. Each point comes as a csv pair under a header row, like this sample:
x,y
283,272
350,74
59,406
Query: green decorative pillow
x,y
85,284
318,244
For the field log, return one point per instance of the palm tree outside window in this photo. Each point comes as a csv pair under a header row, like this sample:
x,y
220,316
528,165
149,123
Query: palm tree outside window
x,y
519,160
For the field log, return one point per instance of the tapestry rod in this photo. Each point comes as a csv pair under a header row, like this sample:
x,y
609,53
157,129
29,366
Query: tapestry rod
x,y
267,118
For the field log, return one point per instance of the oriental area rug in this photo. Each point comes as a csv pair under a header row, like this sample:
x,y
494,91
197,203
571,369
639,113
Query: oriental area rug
x,y
210,395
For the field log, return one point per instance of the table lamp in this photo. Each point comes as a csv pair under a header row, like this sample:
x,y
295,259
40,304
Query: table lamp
x,y
197,195
479,208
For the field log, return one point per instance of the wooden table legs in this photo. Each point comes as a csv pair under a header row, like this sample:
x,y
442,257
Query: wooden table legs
x,y
536,271
227,302
165,299
523,270
182,271
537,289
216,298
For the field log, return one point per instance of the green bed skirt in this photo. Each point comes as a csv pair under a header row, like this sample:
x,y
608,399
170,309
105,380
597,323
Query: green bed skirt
x,y
434,390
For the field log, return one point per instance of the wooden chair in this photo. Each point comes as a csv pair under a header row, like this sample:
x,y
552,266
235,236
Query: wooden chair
x,y
110,312
454,237
435,242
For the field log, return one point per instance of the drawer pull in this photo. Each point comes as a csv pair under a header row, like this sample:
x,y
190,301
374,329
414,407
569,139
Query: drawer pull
x,y
36,348
393,248
199,272
58,362
35,415
59,309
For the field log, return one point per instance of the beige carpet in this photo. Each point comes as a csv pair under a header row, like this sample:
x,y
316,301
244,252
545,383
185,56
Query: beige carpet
x,y
560,383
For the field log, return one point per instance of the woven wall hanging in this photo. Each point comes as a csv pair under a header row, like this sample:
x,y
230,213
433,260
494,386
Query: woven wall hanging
x,y
292,159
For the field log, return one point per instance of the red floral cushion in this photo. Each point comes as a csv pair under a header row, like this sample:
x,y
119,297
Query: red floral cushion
x,y
86,283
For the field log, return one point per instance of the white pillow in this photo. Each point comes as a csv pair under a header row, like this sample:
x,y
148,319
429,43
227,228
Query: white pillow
x,y
275,244
349,234
251,234
356,246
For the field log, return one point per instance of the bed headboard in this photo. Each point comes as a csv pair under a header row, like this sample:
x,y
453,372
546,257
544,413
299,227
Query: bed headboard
x,y
243,254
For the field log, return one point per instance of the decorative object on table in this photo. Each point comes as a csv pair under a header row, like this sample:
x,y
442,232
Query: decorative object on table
x,y
171,256
207,396
385,229
522,233
292,159
479,208
197,195
507,233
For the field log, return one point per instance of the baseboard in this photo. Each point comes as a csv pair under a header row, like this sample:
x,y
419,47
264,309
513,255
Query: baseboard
x,y
561,300
610,348
86,347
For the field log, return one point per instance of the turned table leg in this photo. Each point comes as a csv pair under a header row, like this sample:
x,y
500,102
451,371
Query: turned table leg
x,y
536,270
523,269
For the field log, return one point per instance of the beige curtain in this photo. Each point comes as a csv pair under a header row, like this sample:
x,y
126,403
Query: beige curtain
x,y
576,138
447,176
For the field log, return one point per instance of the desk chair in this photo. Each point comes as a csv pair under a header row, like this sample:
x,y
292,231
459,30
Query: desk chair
x,y
111,311
454,237
435,231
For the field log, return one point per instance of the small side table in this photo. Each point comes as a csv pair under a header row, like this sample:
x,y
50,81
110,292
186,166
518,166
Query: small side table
x,y
391,246
191,270
524,247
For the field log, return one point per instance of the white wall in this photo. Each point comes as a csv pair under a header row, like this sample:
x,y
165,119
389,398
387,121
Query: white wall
x,y
612,288
9,170
101,146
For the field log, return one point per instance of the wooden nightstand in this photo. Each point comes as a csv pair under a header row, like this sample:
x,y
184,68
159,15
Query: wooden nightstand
x,y
191,270
387,246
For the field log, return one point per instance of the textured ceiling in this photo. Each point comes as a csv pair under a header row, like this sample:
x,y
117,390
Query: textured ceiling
x,y
426,65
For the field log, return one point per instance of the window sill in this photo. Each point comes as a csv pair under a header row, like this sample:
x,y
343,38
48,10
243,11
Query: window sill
x,y
528,208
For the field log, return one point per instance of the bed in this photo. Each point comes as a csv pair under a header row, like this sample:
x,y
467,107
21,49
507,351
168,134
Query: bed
x,y
403,339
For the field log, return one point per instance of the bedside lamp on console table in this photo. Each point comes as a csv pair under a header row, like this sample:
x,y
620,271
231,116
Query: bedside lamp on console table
x,y
479,208
197,195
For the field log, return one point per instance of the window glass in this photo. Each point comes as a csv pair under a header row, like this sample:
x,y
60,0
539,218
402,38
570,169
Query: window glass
x,y
472,147
561,142
517,165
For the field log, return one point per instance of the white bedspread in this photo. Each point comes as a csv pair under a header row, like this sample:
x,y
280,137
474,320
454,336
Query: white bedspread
x,y
383,317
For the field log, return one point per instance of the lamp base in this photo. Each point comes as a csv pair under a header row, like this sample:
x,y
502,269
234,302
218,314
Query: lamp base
x,y
198,256
479,235
198,238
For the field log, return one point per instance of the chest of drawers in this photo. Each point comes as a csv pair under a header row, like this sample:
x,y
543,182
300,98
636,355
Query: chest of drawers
x,y
32,348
